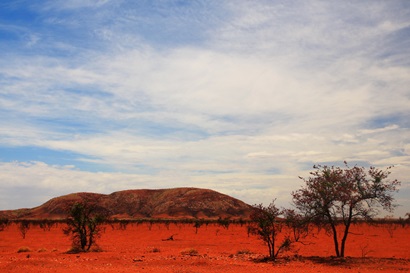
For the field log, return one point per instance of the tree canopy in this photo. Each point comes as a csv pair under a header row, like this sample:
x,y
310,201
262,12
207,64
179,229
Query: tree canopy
x,y
83,224
334,195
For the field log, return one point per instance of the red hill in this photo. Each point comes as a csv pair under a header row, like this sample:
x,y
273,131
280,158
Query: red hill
x,y
174,203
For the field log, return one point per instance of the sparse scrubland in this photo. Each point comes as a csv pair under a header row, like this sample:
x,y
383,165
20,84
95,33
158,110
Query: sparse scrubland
x,y
333,227
371,249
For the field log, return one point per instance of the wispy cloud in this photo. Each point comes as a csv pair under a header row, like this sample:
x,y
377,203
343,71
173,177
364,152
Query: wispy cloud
x,y
237,96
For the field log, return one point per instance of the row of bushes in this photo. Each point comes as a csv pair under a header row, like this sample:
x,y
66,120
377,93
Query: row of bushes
x,y
47,224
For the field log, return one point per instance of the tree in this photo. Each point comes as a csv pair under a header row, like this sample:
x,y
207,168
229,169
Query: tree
x,y
334,195
4,222
269,223
24,226
297,224
197,224
83,225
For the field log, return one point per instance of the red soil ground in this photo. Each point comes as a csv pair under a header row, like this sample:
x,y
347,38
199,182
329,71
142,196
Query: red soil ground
x,y
141,248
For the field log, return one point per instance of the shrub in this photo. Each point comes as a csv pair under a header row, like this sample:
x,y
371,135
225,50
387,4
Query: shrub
x,y
24,226
268,225
197,224
243,252
224,222
155,250
190,252
4,222
23,249
84,226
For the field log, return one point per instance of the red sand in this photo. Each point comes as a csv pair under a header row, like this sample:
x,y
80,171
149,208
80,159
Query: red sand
x,y
140,248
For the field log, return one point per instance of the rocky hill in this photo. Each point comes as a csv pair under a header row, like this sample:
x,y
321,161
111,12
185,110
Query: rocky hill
x,y
177,203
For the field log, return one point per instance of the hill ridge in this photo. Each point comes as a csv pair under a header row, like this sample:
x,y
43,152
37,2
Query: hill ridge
x,y
169,203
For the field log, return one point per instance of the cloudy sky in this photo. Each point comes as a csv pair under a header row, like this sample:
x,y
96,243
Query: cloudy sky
x,y
237,96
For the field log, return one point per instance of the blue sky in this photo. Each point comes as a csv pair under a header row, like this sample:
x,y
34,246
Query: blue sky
x,y
238,96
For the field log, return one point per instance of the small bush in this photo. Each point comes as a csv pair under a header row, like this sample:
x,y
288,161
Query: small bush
x,y
155,250
42,250
4,222
243,251
24,226
23,249
190,252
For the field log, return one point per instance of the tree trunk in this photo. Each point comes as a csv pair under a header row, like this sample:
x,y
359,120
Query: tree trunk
x,y
346,232
83,238
334,230
271,245
335,240
90,242
271,254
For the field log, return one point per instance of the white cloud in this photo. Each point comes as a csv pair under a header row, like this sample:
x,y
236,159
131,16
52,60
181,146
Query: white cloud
x,y
60,180
379,130
263,93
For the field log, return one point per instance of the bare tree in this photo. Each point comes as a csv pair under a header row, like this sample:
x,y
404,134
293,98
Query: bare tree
x,y
269,222
24,226
4,222
334,195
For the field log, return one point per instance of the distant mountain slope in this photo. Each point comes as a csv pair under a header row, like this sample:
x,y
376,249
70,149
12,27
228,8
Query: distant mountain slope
x,y
173,203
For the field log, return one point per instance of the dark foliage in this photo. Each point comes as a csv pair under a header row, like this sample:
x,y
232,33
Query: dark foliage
x,y
24,226
269,222
4,222
83,225
333,196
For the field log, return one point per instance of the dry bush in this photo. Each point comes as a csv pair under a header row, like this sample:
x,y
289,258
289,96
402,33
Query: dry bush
x,y
24,226
154,250
4,222
23,249
391,228
365,250
243,251
190,252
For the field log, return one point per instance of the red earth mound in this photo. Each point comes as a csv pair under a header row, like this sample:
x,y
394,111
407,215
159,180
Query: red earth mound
x,y
133,204
144,248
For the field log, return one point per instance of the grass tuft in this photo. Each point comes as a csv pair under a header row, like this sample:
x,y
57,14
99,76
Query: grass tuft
x,y
243,252
23,249
190,252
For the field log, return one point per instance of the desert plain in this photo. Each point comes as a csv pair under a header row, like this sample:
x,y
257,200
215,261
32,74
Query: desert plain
x,y
144,247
